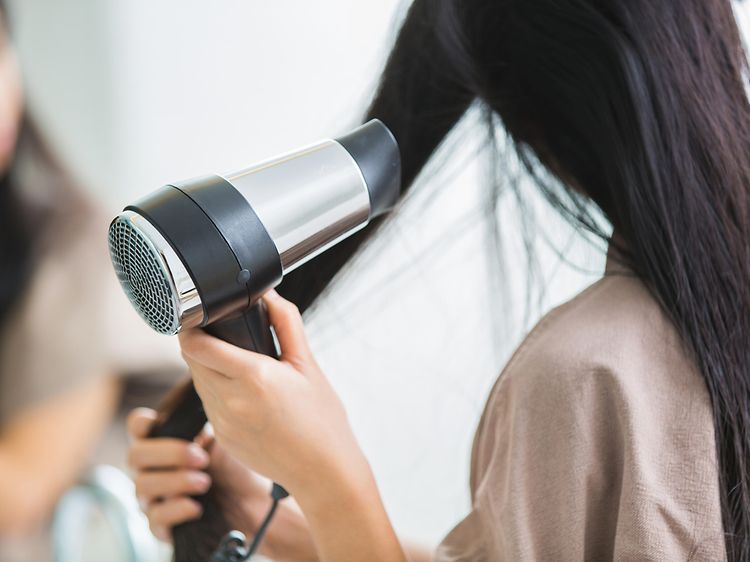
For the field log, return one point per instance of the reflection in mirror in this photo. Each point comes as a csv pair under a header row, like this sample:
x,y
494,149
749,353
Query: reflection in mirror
x,y
99,519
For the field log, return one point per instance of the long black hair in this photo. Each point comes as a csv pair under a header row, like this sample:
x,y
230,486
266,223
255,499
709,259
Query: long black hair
x,y
637,106
24,221
640,106
15,233
15,246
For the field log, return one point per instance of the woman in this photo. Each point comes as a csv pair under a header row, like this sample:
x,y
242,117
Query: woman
x,y
61,337
621,427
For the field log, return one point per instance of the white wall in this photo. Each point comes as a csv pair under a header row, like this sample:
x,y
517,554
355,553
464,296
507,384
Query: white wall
x,y
142,92
208,86
66,49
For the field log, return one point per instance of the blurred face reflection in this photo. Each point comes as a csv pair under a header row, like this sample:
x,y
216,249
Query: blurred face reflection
x,y
11,104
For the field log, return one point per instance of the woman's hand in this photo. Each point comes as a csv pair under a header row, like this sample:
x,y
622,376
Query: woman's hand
x,y
169,471
281,417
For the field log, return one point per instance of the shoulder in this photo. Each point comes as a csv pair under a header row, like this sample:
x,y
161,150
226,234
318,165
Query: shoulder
x,y
614,334
74,323
72,277
601,423
610,358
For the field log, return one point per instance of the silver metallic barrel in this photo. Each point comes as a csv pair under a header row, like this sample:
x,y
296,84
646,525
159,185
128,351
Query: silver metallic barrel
x,y
307,200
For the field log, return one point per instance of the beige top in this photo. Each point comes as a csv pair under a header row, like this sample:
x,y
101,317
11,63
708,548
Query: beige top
x,y
597,442
74,323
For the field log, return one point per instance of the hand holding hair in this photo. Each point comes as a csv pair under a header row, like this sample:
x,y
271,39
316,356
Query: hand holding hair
x,y
169,471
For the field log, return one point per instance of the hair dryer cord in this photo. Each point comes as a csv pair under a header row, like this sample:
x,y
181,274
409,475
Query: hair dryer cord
x,y
232,547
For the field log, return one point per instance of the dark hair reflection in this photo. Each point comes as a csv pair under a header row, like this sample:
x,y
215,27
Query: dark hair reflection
x,y
22,221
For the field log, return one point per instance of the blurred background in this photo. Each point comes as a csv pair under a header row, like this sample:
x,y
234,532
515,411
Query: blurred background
x,y
132,95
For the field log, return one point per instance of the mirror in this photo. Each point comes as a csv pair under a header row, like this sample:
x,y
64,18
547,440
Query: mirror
x,y
99,519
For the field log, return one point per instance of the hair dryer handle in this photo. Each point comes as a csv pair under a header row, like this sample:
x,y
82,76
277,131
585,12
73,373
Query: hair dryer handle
x,y
249,330
181,415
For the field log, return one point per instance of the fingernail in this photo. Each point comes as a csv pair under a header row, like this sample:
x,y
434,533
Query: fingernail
x,y
197,456
201,480
198,508
209,429
162,534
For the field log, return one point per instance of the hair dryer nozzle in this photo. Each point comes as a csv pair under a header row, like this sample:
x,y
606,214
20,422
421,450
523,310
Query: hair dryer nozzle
x,y
153,277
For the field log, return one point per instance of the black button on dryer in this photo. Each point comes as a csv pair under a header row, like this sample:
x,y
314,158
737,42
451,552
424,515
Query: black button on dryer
x,y
243,277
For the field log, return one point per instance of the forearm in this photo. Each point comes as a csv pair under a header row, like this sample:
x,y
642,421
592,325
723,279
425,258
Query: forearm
x,y
348,522
21,504
42,450
289,537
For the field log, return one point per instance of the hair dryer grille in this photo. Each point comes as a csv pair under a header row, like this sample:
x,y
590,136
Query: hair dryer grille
x,y
143,277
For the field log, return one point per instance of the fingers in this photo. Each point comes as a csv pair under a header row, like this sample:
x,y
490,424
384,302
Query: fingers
x,y
210,386
164,515
219,356
162,453
231,362
166,492
289,327
150,486
140,422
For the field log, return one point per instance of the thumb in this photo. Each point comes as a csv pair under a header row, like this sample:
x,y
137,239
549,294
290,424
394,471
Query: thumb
x,y
290,330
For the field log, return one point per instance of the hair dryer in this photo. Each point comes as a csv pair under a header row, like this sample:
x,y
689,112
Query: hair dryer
x,y
201,252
